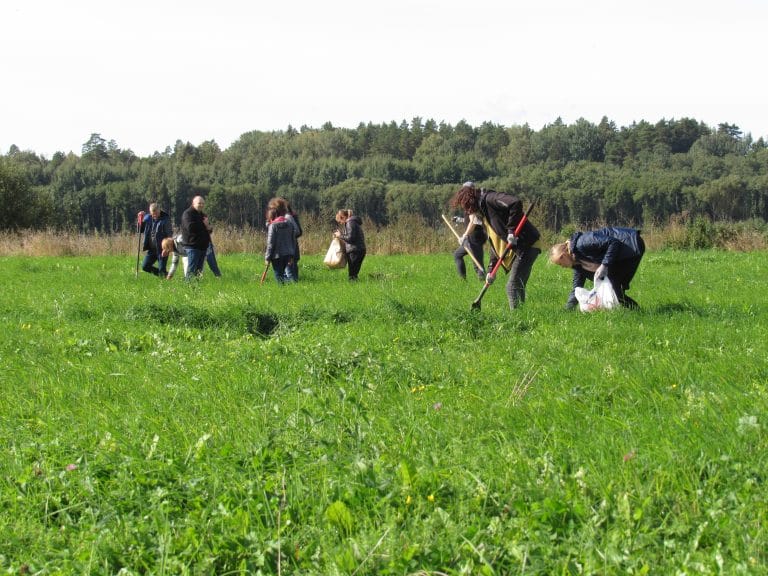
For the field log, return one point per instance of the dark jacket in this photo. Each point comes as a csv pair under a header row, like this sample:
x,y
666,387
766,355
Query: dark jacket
x,y
281,239
503,213
193,230
610,246
607,245
155,231
353,236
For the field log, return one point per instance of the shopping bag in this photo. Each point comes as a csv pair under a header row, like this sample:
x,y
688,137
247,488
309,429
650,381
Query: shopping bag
x,y
601,297
336,257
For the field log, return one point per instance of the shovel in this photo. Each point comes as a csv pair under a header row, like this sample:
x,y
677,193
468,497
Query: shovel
x,y
264,274
523,220
478,264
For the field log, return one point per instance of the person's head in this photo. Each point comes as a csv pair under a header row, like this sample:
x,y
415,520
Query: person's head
x,y
271,214
343,215
279,205
198,203
467,198
167,246
154,210
560,255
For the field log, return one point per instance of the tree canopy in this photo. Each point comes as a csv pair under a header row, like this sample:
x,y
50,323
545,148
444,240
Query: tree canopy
x,y
581,173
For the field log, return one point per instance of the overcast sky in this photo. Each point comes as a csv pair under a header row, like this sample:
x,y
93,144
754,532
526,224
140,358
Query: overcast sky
x,y
146,73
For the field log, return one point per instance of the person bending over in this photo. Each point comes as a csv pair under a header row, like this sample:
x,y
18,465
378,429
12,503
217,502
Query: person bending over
x,y
612,252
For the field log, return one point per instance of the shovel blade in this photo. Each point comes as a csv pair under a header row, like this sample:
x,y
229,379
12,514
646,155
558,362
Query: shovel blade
x,y
476,303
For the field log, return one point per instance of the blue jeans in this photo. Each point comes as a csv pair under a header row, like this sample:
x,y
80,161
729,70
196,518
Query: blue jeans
x,y
282,269
195,262
148,265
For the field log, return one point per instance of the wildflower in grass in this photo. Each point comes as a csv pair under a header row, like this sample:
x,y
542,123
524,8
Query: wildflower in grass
x,y
437,405
431,497
408,500
629,455
747,423
71,467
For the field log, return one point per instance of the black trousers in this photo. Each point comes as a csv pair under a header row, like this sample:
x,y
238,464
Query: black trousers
x,y
354,262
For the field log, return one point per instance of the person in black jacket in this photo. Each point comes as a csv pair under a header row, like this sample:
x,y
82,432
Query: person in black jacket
x,y
351,232
196,237
612,252
501,213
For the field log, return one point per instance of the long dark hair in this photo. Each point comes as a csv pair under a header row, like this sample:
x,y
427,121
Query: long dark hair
x,y
467,198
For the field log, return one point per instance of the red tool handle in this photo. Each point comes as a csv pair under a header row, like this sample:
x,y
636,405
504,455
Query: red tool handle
x,y
518,228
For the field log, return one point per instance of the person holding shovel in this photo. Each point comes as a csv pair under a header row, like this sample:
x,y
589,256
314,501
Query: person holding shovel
x,y
471,242
612,252
501,213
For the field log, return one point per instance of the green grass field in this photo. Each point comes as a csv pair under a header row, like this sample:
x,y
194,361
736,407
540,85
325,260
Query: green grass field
x,y
223,427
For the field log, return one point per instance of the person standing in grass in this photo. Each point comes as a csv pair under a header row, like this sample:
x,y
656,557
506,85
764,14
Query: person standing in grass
x,y
156,226
612,252
351,232
471,242
501,213
195,235
281,204
281,244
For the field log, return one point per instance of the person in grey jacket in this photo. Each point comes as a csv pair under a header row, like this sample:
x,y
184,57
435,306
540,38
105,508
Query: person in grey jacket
x,y
351,232
281,245
612,252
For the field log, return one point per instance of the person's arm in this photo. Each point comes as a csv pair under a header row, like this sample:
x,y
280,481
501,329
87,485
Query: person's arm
x,y
579,279
514,208
293,219
346,232
270,243
174,265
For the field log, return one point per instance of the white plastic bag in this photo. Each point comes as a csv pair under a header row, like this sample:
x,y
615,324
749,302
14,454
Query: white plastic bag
x,y
336,257
601,297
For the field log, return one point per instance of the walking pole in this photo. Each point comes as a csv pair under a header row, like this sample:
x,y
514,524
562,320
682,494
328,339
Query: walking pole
x,y
468,251
138,248
523,220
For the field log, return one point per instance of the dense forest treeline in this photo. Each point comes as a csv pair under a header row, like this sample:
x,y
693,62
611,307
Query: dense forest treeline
x,y
581,173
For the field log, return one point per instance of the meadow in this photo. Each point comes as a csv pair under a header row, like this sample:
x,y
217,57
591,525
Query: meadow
x,y
226,427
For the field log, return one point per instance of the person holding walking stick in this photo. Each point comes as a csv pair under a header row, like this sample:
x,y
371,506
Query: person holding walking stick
x,y
156,227
501,213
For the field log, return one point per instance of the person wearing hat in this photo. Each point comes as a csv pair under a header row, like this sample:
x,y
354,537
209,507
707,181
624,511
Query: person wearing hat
x,y
501,213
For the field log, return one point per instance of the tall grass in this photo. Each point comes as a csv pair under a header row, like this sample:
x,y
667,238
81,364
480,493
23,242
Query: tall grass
x,y
407,236
227,427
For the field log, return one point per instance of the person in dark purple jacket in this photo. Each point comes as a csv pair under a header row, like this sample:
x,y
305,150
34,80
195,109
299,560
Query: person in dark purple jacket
x,y
612,252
